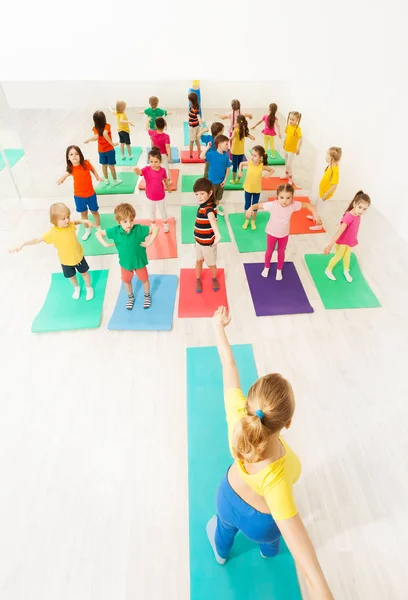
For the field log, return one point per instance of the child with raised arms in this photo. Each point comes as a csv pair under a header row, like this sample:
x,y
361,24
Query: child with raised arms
x,y
253,181
239,134
271,125
153,112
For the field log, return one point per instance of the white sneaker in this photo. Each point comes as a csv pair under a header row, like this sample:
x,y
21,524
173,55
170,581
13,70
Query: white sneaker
x,y
86,234
279,275
265,272
309,217
123,157
348,276
166,228
330,275
106,181
131,157
117,182
77,293
89,293
316,228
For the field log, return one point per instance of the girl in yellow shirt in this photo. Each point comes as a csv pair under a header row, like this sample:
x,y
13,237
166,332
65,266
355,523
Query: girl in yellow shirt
x,y
256,495
123,128
292,143
239,134
253,179
328,183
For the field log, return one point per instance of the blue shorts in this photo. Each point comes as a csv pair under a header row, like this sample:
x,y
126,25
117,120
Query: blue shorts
x,y
82,204
107,158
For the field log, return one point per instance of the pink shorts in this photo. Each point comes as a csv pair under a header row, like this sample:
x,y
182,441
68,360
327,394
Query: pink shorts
x,y
141,274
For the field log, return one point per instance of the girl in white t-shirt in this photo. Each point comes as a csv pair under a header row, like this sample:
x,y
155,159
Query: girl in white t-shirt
x,y
277,229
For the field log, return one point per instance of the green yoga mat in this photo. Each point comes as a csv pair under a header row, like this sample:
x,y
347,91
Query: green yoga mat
x,y
235,186
340,293
246,239
61,313
137,153
186,133
277,160
92,247
245,575
188,217
13,155
188,181
127,186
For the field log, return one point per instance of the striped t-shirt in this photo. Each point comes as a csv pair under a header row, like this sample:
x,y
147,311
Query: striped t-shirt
x,y
203,231
193,116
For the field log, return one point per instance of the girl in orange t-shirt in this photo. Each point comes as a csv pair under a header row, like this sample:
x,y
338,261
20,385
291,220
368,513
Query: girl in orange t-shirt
x,y
107,157
84,193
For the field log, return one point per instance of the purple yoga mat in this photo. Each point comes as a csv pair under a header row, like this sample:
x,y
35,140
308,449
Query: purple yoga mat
x,y
271,297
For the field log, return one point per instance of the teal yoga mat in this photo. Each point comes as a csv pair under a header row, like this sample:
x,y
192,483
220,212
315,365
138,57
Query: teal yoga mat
x,y
188,217
127,186
13,155
187,134
245,576
128,162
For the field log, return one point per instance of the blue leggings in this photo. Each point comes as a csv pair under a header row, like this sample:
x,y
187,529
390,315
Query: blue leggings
x,y
233,515
236,161
251,199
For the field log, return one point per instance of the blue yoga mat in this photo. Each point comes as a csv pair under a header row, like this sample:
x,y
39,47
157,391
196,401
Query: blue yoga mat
x,y
245,576
174,153
156,318
187,133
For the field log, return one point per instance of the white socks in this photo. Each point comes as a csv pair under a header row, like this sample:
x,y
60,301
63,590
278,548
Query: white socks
x,y
117,181
86,234
265,272
89,293
279,275
211,527
330,275
166,228
77,293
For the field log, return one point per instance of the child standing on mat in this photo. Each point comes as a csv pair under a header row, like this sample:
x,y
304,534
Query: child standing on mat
x,y
346,235
271,126
219,167
292,143
194,122
153,112
233,114
84,193
155,177
216,129
123,128
239,134
277,229
131,241
206,232
62,236
328,183
253,180
106,149
256,494
161,140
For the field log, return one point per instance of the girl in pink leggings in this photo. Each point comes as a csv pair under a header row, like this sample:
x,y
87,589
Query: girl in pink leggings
x,y
277,229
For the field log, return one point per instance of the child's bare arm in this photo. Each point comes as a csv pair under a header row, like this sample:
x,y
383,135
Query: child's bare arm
x,y
168,150
168,185
149,239
313,210
94,138
338,233
269,170
96,174
204,152
84,222
222,117
253,208
256,124
247,115
330,191
100,234
278,129
226,176
32,242
251,137
63,178
214,225
241,166
138,171
299,145
109,139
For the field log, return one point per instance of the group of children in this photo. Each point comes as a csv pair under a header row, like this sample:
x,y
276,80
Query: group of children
x,y
131,240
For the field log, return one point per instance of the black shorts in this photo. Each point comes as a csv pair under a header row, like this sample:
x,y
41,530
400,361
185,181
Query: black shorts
x,y
70,270
124,137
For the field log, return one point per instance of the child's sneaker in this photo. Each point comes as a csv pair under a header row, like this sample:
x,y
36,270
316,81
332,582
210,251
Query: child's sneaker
x,y
86,234
330,275
265,272
279,275
117,182
348,276
166,228
106,182
123,157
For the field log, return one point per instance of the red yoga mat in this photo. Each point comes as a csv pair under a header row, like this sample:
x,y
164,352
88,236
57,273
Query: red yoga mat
x,y
185,157
205,304
272,183
299,222
174,175
165,245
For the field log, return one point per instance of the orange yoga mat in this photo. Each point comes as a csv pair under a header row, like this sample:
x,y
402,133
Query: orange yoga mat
x,y
165,245
185,157
205,304
174,175
272,183
299,222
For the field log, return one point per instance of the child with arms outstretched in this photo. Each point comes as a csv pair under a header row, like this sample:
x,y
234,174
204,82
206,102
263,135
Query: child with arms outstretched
x,y
271,125
106,149
253,181
239,134
161,140
153,112
155,177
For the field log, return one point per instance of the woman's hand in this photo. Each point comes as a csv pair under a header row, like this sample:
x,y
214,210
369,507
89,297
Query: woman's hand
x,y
221,317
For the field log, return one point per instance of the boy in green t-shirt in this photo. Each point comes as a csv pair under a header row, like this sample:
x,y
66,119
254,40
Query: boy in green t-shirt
x,y
153,112
131,241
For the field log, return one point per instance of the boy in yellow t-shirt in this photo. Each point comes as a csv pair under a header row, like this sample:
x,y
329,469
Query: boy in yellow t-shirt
x,y
292,143
123,128
62,235
328,183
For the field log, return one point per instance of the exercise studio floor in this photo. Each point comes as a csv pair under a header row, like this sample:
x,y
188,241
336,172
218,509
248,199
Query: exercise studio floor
x,y
94,448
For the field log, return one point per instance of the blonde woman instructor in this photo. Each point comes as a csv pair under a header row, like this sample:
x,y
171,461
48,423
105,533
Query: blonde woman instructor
x,y
256,495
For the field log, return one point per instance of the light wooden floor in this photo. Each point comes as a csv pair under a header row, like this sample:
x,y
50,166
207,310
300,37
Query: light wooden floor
x,y
93,456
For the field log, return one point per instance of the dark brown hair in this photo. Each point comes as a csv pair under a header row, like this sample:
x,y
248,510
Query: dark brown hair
x,y
155,153
236,106
216,128
285,187
261,151
99,119
242,124
160,123
193,98
203,185
219,139
81,158
359,197
273,109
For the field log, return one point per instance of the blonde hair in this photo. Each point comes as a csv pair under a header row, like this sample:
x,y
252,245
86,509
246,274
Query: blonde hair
x,y
297,116
58,211
270,406
335,154
120,106
124,211
154,101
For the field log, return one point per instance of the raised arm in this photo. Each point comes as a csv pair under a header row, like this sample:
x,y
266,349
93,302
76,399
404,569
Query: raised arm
x,y
32,242
94,138
256,124
222,117
230,373
84,222
338,233
300,545
247,115
138,171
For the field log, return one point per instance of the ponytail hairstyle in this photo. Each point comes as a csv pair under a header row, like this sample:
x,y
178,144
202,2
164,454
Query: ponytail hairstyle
x,y
273,109
335,154
81,158
193,98
242,124
270,406
296,114
99,121
236,106
120,106
285,187
155,153
359,197
262,153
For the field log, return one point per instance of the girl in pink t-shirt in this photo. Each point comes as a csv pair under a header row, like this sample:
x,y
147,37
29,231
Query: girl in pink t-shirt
x,y
271,126
156,177
232,116
277,229
346,235
161,140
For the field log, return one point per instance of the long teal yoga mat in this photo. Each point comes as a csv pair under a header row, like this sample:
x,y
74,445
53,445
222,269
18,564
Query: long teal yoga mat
x,y
186,133
245,576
